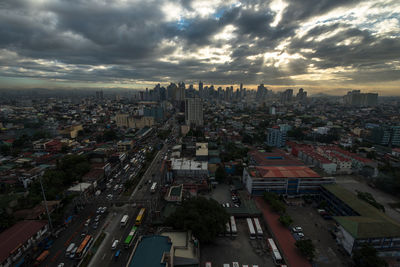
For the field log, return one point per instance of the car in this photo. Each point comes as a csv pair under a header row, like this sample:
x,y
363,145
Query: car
x,y
223,205
61,264
87,222
297,229
236,205
95,225
109,196
97,218
103,209
227,205
99,210
72,255
300,235
114,244
84,233
120,186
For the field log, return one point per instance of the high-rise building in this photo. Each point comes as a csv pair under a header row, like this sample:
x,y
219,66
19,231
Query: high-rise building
x,y
301,95
276,137
194,111
356,98
286,96
201,90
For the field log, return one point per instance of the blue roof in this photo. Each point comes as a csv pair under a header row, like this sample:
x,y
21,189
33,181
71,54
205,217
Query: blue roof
x,y
150,251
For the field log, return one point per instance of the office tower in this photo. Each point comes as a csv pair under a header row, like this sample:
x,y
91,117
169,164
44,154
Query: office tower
x,y
194,111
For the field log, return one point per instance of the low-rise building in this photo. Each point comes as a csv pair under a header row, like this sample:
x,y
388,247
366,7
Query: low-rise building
x,y
361,223
19,238
289,180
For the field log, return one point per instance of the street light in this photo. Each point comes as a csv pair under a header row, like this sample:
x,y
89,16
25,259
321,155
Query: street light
x,y
45,204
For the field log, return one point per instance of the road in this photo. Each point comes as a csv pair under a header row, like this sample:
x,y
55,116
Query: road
x,y
105,255
110,220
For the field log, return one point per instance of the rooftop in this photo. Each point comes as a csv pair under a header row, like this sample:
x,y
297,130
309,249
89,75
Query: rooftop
x,y
150,250
370,223
275,158
282,172
15,236
185,164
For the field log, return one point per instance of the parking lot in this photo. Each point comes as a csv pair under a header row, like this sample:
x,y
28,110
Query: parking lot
x,y
240,249
317,229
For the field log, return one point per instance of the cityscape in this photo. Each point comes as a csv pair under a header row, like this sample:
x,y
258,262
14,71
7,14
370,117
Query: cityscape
x,y
199,133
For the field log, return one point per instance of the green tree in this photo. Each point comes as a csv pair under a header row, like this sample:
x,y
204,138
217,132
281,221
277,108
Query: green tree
x,y
220,174
278,206
109,135
306,248
5,150
286,220
205,217
367,256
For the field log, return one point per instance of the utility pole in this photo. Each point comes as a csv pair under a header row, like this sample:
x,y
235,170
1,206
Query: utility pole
x,y
45,204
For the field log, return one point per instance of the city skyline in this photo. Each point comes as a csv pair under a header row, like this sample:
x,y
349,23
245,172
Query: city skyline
x,y
326,47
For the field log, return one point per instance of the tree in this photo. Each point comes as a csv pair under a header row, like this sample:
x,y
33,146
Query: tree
x,y
367,256
286,220
5,150
220,174
205,217
109,135
306,248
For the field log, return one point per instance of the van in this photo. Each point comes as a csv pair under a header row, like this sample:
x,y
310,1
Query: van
x,y
69,249
114,244
72,255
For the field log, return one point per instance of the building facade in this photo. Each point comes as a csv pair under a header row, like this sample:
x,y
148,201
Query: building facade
x,y
194,111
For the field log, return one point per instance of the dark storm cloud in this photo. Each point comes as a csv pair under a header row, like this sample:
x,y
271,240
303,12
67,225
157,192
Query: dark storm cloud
x,y
106,41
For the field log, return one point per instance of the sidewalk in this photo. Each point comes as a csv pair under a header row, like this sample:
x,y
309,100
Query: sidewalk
x,y
282,236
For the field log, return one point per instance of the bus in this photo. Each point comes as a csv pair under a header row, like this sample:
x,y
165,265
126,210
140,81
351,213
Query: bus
x,y
233,226
258,228
124,220
42,257
252,232
129,239
275,252
153,187
126,168
140,216
227,229
84,246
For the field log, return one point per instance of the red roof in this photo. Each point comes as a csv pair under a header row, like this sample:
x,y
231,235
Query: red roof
x,y
15,236
282,236
285,172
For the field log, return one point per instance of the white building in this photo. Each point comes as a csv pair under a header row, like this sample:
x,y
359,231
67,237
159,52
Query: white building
x,y
189,168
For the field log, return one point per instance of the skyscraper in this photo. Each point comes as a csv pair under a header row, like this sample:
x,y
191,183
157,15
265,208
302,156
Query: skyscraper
x,y
194,111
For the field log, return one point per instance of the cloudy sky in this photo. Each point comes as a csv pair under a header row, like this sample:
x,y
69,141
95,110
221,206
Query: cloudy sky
x,y
326,46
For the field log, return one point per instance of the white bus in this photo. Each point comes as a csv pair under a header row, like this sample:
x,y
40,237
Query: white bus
x,y
258,228
275,252
153,187
124,220
233,226
227,229
252,232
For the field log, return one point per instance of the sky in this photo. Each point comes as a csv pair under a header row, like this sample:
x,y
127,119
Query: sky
x,y
327,46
